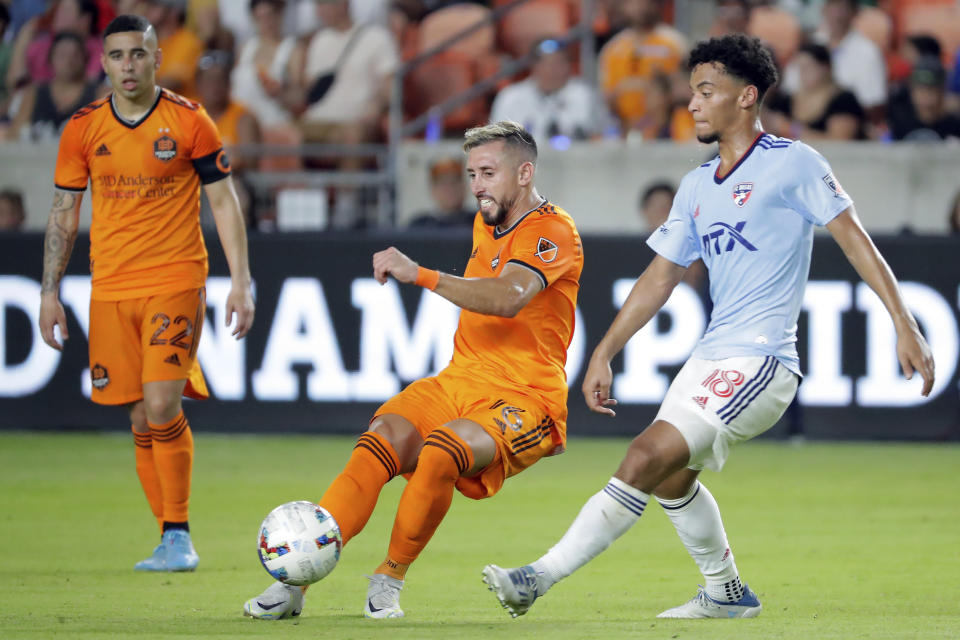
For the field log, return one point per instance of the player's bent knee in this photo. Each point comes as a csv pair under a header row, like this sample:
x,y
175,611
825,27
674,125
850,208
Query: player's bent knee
x,y
138,417
402,436
445,455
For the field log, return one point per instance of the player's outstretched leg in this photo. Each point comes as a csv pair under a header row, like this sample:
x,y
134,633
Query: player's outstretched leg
x,y
604,518
278,601
696,517
425,501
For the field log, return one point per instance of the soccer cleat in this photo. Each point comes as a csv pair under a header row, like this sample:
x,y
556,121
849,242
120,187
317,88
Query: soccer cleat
x,y
383,597
278,601
703,606
174,553
516,589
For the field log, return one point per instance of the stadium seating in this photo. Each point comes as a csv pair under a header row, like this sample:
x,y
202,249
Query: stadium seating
x,y
443,24
939,20
523,26
778,28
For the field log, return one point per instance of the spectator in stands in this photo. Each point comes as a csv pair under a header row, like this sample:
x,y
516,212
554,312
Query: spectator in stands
x,y
344,84
629,61
235,123
237,126
858,63
820,109
6,52
203,19
924,117
180,47
30,60
11,210
730,16
655,203
551,102
266,68
448,186
953,219
665,118
45,107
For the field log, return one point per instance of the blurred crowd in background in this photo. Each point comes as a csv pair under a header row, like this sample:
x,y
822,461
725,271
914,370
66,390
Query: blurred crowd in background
x,y
294,72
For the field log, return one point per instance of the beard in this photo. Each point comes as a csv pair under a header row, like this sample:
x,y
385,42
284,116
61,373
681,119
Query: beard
x,y
498,216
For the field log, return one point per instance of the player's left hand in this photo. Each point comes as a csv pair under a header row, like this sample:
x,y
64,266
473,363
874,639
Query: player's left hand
x,y
391,262
914,354
239,302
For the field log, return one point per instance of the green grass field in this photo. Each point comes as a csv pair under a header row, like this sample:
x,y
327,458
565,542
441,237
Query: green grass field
x,y
839,541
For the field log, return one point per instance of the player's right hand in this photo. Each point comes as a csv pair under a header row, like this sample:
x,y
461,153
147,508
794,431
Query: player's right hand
x,y
52,315
596,387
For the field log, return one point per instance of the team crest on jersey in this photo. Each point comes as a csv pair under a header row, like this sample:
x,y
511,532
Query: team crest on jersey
x,y
496,261
834,185
741,193
165,148
511,415
547,250
98,376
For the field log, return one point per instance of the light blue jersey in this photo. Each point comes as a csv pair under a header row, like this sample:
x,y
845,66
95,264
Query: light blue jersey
x,y
754,230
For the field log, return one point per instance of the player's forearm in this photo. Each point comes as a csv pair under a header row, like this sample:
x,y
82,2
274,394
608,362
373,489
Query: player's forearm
x,y
59,238
645,299
489,296
231,231
874,270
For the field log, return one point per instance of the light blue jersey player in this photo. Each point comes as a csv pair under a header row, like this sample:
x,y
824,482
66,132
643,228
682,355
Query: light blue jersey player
x,y
749,214
753,228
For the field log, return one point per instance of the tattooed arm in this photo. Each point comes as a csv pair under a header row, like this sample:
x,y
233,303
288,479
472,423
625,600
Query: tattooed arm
x,y
57,246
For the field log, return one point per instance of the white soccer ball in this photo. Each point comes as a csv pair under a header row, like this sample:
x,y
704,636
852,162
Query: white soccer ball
x,y
299,543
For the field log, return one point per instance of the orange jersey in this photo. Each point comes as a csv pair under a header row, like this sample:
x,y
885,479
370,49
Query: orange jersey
x,y
633,55
527,352
145,181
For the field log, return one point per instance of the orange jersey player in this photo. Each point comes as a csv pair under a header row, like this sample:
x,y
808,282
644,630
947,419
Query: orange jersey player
x,y
500,405
145,152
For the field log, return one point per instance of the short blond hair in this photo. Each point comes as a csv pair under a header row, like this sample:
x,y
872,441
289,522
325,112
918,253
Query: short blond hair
x,y
512,134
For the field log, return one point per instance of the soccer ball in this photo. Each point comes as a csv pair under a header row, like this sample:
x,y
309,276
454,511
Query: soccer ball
x,y
299,543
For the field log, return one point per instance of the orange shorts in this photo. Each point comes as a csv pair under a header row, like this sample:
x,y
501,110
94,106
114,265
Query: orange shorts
x,y
522,428
146,340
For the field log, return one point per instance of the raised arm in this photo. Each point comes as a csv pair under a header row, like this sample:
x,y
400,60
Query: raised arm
x,y
912,350
57,247
233,238
649,293
502,296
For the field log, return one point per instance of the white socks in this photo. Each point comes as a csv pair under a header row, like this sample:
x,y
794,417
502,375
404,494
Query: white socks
x,y
696,518
605,517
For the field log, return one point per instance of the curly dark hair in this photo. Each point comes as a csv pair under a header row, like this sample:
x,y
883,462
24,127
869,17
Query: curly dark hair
x,y
743,57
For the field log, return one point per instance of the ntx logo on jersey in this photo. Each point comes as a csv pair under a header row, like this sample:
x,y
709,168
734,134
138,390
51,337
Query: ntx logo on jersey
x,y
722,237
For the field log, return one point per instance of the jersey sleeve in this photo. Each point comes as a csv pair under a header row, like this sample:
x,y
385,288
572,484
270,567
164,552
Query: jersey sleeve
x,y
814,192
548,246
72,172
209,158
676,239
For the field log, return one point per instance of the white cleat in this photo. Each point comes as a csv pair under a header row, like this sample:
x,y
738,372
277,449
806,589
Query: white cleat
x,y
277,602
516,589
383,597
703,606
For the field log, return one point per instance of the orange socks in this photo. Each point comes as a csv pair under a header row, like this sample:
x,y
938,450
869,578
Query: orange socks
x,y
147,472
173,457
444,458
353,494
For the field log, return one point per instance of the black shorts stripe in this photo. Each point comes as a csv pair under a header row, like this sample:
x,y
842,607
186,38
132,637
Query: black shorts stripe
x,y
531,444
464,458
198,321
